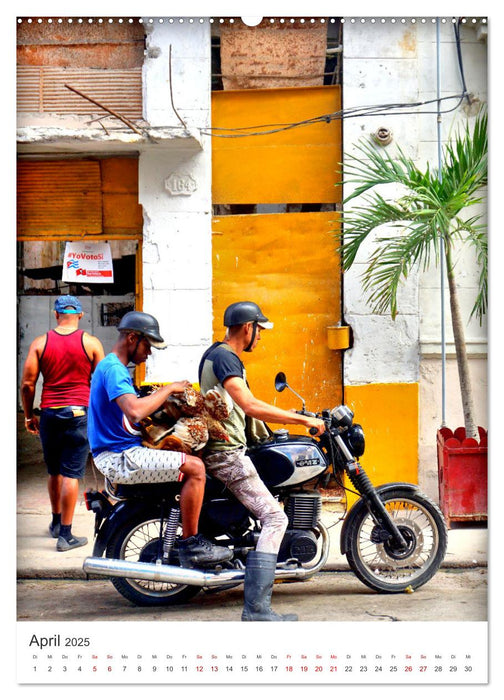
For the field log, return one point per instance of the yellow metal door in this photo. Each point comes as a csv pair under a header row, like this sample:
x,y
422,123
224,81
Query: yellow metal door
x,y
275,146
285,263
270,147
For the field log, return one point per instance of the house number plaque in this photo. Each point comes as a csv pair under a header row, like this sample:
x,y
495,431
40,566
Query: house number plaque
x,y
180,184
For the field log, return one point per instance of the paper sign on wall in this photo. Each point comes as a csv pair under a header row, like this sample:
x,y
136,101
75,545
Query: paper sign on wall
x,y
88,262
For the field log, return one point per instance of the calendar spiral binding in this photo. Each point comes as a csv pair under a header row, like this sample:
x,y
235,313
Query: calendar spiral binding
x,y
379,21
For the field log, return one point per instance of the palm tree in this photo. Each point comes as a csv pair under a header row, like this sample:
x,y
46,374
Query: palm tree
x,y
427,218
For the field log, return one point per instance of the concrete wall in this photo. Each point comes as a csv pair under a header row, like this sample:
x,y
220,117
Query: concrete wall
x,y
174,190
177,274
396,63
383,63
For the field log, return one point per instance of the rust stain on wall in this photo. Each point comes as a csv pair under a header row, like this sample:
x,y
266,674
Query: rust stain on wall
x,y
80,45
273,55
408,44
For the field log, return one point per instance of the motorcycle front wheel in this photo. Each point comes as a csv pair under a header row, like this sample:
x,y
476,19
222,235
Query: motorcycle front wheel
x,y
138,540
382,566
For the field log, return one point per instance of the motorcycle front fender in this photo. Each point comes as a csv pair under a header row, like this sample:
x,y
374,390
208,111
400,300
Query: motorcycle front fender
x,y
122,511
361,503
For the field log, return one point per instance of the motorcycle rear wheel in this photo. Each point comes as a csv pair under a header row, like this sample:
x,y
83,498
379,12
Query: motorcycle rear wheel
x,y
386,569
138,540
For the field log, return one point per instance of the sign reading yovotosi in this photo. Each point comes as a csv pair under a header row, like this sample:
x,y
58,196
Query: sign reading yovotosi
x,y
89,261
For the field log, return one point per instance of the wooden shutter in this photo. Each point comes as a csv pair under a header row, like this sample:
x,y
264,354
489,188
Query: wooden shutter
x,y
59,198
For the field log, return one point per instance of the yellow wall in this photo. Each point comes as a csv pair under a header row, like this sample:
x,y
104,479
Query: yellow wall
x,y
388,414
286,263
275,165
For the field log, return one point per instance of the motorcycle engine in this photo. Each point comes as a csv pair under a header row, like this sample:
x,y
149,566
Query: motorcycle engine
x,y
300,541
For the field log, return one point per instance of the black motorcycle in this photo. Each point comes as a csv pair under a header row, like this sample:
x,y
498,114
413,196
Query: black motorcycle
x,y
394,537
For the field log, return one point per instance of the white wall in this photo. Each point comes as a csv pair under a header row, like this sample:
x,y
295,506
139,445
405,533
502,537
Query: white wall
x,y
380,67
177,253
397,63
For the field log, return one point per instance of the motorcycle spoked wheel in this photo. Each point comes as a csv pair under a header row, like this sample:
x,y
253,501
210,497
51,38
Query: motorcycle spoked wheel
x,y
138,541
387,570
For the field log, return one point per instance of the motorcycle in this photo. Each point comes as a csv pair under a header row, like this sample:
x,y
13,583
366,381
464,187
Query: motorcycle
x,y
394,537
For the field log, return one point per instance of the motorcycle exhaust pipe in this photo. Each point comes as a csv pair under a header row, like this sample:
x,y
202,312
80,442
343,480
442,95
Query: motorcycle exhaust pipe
x,y
162,573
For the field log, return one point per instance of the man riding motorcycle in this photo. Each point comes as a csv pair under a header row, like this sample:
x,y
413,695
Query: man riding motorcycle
x,y
221,364
116,443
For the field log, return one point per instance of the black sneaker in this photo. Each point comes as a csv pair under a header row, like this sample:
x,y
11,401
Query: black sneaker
x,y
63,545
54,530
196,552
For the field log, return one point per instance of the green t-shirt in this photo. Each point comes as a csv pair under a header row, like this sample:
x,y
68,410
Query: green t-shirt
x,y
219,363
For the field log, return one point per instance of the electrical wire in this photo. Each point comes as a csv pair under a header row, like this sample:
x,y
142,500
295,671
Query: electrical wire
x,y
456,29
354,112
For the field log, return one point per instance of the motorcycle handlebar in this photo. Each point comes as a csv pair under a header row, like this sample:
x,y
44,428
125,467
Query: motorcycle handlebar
x,y
312,431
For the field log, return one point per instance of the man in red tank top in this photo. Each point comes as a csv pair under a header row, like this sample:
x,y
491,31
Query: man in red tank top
x,y
66,358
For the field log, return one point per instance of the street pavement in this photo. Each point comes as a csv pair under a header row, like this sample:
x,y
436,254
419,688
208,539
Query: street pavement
x,y
36,550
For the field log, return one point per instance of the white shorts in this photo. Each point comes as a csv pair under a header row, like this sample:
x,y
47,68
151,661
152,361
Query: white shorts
x,y
141,465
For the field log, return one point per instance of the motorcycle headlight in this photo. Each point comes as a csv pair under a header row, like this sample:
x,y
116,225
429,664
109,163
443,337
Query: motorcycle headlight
x,y
355,440
341,417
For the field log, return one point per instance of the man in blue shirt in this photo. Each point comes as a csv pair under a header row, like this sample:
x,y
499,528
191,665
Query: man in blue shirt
x,y
115,411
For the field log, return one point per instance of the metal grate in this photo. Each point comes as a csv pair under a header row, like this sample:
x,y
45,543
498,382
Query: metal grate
x,y
42,89
112,312
303,510
59,197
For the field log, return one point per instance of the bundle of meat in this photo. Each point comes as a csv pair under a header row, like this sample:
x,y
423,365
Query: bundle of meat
x,y
187,420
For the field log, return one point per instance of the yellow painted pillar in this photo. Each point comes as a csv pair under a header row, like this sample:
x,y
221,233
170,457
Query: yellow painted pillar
x,y
388,414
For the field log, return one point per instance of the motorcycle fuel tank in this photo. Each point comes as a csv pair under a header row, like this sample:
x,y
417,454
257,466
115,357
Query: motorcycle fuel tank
x,y
287,460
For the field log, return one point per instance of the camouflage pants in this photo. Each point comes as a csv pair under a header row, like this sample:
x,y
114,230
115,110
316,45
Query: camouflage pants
x,y
238,474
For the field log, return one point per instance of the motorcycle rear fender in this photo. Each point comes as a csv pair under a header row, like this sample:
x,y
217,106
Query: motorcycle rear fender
x,y
360,504
122,512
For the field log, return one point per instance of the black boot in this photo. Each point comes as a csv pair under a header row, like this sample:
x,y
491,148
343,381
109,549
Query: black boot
x,y
197,552
258,587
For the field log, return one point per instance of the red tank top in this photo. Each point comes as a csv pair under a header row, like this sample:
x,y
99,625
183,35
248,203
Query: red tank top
x,y
66,369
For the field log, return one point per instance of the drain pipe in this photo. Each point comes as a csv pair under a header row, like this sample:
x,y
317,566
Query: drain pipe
x,y
442,246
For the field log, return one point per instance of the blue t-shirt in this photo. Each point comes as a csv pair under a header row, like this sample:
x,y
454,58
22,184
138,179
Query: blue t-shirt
x,y
108,427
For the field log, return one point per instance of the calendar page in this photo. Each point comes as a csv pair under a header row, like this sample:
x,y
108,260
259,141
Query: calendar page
x,y
208,150
313,653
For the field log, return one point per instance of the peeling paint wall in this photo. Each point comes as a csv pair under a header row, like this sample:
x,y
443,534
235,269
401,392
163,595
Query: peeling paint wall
x,y
396,63
101,60
273,55
174,162
175,192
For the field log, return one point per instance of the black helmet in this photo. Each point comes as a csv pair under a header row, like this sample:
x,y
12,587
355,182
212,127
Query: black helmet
x,y
145,324
244,311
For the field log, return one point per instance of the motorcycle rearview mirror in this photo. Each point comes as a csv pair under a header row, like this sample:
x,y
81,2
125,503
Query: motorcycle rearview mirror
x,y
281,384
280,381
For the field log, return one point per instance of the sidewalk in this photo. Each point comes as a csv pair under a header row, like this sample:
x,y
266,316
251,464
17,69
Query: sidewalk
x,y
36,550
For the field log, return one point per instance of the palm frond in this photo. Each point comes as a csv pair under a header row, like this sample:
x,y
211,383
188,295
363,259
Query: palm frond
x,y
426,209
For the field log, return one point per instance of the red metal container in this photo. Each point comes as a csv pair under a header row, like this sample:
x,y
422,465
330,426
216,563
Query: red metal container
x,y
463,469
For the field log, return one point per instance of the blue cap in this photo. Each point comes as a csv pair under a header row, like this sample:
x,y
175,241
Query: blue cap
x,y
61,304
